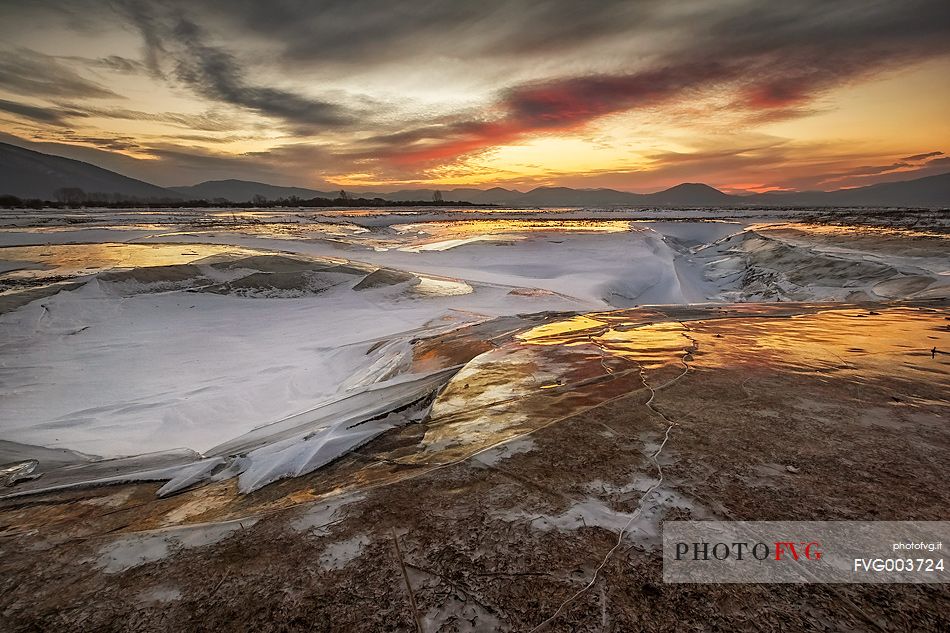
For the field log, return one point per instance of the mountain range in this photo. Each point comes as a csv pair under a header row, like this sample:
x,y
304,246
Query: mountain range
x,y
28,174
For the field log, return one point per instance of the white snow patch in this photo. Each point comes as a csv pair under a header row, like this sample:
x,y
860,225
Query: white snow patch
x,y
122,375
493,456
160,594
322,514
139,548
337,555
459,613
594,512
108,501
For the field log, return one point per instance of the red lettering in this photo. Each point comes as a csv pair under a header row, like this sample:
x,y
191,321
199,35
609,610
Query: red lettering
x,y
781,546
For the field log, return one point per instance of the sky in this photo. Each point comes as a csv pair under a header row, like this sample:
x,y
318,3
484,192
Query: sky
x,y
376,95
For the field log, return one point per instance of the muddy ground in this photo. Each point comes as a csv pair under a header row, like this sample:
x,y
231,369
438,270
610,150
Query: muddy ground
x,y
828,415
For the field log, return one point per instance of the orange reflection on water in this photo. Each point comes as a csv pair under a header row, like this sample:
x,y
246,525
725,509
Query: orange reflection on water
x,y
887,342
858,342
651,346
875,237
466,228
561,332
63,259
629,335
444,235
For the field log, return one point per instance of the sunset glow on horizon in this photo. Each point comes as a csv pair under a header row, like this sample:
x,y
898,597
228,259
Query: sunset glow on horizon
x,y
638,96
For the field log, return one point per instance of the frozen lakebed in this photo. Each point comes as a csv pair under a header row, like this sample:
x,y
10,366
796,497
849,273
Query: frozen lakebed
x,y
186,352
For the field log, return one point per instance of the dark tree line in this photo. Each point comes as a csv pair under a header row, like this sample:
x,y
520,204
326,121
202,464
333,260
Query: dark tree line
x,y
75,198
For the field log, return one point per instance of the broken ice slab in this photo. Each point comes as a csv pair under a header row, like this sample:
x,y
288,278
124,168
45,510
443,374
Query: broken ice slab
x,y
17,471
291,447
47,458
305,442
375,400
148,467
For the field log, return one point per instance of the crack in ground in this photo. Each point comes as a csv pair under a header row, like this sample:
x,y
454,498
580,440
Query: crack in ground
x,y
636,513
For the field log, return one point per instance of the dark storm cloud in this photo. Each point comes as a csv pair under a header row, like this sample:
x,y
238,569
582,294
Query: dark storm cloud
x,y
37,15
178,164
822,35
120,64
113,63
774,59
829,178
869,170
64,113
119,143
181,164
49,116
149,25
215,73
915,162
207,122
379,31
917,157
28,72
375,31
911,166
767,61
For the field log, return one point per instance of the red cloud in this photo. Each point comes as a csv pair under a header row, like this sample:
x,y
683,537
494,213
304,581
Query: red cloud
x,y
560,105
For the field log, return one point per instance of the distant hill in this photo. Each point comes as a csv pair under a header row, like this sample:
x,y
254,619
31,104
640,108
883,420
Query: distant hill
x,y
565,196
495,195
930,191
403,195
245,190
692,194
28,174
686,194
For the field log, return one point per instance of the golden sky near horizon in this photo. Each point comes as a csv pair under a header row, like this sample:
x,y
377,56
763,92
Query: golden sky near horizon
x,y
638,96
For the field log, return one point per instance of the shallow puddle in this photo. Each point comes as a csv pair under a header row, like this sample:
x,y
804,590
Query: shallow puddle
x,y
80,259
899,342
558,369
437,236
